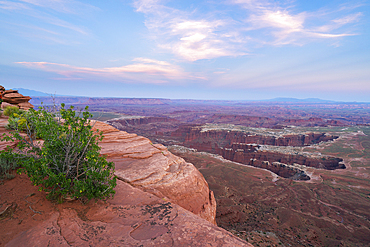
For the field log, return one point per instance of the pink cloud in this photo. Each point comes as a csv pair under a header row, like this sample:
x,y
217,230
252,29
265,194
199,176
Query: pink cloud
x,y
147,70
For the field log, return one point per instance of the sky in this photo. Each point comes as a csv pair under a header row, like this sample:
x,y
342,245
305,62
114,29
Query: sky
x,y
204,49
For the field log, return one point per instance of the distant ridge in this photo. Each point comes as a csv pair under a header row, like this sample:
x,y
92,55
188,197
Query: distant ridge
x,y
294,100
39,97
29,92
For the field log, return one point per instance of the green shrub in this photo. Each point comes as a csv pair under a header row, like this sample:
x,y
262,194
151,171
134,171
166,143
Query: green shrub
x,y
10,110
7,164
68,163
20,121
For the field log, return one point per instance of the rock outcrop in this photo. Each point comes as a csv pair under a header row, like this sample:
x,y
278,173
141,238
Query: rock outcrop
x,y
132,218
154,169
159,198
12,97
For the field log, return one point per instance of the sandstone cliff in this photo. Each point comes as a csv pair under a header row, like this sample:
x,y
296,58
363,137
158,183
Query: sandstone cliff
x,y
154,169
159,198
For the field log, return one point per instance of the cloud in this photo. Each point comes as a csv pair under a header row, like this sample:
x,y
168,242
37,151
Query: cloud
x,y
287,26
217,31
189,37
46,24
7,5
142,69
64,6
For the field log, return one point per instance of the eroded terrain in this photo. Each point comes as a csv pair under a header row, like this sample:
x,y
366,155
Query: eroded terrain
x,y
331,209
282,174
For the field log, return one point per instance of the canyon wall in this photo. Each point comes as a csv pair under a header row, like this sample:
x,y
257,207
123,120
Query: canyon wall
x,y
244,147
279,163
142,120
223,138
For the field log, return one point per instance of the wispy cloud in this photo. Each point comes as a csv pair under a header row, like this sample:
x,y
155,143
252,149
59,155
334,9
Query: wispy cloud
x,y
194,35
65,6
8,5
141,70
287,26
59,28
191,38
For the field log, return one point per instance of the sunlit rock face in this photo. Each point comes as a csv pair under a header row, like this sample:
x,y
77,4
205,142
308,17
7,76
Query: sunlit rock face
x,y
154,169
159,198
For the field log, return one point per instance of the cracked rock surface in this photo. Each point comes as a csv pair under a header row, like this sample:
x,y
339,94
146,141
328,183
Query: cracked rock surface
x,y
159,198
152,168
132,218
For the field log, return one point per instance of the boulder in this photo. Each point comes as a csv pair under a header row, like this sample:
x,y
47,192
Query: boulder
x,y
15,98
25,105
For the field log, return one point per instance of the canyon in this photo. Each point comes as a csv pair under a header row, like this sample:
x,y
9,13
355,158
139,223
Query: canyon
x,y
160,200
296,192
244,147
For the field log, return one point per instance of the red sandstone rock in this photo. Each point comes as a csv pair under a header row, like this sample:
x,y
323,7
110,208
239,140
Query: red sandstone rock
x,y
25,105
5,104
15,98
132,218
154,169
12,97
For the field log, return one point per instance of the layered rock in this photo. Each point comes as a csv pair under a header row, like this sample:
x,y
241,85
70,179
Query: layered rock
x,y
244,153
132,218
12,97
222,138
243,147
154,169
159,198
285,165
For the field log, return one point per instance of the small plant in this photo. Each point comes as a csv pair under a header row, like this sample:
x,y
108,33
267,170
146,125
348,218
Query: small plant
x,y
68,162
18,121
7,165
10,110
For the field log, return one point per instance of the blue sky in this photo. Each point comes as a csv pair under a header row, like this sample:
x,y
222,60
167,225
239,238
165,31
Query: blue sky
x,y
234,49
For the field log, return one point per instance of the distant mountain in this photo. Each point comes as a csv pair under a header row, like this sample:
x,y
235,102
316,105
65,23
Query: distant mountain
x,y
294,100
155,101
29,92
